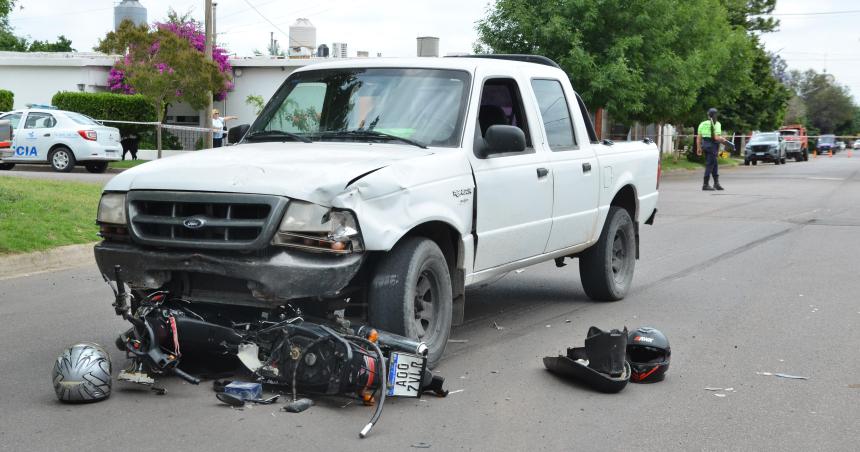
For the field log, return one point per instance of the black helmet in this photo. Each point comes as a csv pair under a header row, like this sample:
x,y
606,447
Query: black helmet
x,y
648,353
712,112
82,373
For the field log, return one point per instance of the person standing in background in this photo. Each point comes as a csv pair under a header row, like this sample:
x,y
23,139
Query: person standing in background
x,y
219,125
708,140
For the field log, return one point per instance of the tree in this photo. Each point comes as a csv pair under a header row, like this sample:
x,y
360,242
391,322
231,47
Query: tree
x,y
747,14
162,66
643,60
829,106
10,42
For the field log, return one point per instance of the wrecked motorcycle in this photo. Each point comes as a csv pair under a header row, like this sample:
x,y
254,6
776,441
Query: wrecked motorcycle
x,y
281,347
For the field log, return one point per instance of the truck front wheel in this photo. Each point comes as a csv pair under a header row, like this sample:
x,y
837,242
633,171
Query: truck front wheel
x,y
410,294
606,269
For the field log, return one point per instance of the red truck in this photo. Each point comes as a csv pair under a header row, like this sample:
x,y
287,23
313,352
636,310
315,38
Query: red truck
x,y
796,142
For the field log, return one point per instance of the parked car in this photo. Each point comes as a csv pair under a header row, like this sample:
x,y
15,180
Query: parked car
x,y
827,143
856,145
61,139
387,187
840,145
765,147
796,142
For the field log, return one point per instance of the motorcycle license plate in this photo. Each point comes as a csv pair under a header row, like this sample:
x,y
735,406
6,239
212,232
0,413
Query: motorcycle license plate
x,y
404,374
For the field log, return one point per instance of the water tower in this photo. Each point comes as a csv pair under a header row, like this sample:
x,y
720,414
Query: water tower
x,y
303,34
428,46
131,10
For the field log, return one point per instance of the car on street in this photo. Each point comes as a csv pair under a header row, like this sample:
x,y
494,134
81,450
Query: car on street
x,y
386,187
856,145
765,147
796,142
61,139
827,143
841,145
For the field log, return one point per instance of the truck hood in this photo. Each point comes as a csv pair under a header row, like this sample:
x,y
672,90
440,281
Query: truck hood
x,y
314,172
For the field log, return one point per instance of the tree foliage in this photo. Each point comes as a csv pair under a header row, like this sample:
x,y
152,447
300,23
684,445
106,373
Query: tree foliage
x,y
643,60
7,100
161,65
117,107
829,105
652,60
10,42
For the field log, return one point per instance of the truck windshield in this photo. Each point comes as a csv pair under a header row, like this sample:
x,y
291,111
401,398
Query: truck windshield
x,y
827,139
414,106
764,138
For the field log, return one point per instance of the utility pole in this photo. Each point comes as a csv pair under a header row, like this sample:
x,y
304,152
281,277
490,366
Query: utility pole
x,y
207,123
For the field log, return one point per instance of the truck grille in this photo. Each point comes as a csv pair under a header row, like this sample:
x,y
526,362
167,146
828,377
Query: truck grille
x,y
760,148
204,220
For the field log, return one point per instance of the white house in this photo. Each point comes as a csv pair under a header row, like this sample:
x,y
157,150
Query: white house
x,y
34,78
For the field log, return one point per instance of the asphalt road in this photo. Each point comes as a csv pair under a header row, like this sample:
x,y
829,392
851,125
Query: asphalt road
x,y
762,277
78,174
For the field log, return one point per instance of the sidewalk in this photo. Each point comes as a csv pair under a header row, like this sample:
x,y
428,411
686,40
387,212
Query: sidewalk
x,y
69,256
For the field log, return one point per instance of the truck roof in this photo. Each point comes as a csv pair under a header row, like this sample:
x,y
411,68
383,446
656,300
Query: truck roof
x,y
457,63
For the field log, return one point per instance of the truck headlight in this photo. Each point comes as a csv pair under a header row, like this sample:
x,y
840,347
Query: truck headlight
x,y
312,227
112,209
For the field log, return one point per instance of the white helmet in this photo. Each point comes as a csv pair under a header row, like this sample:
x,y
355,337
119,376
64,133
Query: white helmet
x,y
82,373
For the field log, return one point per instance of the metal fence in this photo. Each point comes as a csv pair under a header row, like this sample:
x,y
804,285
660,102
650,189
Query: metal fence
x,y
160,137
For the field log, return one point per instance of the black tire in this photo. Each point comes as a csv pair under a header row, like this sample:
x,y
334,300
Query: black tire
x,y
410,294
798,158
782,161
746,162
6,166
805,155
606,269
62,159
96,167
755,162
776,161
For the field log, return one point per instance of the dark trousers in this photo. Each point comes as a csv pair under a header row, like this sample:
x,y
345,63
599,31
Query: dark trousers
x,y
711,149
217,142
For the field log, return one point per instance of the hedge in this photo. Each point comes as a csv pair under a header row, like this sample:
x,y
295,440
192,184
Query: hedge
x,y
109,106
6,100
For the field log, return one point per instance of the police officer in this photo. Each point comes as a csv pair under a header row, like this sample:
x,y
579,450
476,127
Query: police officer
x,y
708,139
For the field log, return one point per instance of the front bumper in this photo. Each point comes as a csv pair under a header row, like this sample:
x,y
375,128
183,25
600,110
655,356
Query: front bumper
x,y
270,280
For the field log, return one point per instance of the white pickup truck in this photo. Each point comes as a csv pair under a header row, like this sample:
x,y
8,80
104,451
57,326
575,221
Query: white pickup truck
x,y
385,187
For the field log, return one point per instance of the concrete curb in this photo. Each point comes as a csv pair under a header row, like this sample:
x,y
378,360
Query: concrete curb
x,y
70,256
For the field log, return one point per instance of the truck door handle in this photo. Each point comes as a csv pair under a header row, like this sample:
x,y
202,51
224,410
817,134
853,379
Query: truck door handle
x,y
542,172
46,135
586,167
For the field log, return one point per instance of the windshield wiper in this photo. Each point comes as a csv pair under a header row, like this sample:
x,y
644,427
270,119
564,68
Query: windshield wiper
x,y
364,133
277,134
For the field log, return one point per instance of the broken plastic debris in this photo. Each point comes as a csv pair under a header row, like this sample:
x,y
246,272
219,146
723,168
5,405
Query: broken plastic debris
x,y
496,326
549,326
720,395
520,270
454,392
421,445
729,389
713,389
457,341
781,375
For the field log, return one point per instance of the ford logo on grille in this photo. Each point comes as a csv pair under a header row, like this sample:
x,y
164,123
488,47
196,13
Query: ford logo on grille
x,y
194,222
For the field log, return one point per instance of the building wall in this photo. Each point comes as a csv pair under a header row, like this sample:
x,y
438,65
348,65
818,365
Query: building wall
x,y
38,84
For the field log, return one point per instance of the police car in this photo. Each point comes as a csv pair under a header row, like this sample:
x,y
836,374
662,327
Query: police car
x,y
61,139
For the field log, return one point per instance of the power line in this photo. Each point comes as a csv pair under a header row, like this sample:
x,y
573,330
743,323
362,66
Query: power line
x,y
269,21
818,13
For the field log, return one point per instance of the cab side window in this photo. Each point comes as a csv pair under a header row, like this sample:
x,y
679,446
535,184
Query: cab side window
x,y
502,104
555,114
39,121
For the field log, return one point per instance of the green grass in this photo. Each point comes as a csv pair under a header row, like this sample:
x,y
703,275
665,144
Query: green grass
x,y
125,164
670,164
37,214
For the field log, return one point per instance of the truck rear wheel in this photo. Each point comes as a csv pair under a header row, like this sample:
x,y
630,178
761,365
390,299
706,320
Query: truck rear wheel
x,y
6,166
606,269
410,294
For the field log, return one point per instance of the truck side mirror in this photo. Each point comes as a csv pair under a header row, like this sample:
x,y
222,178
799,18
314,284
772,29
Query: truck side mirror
x,y
501,139
235,134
